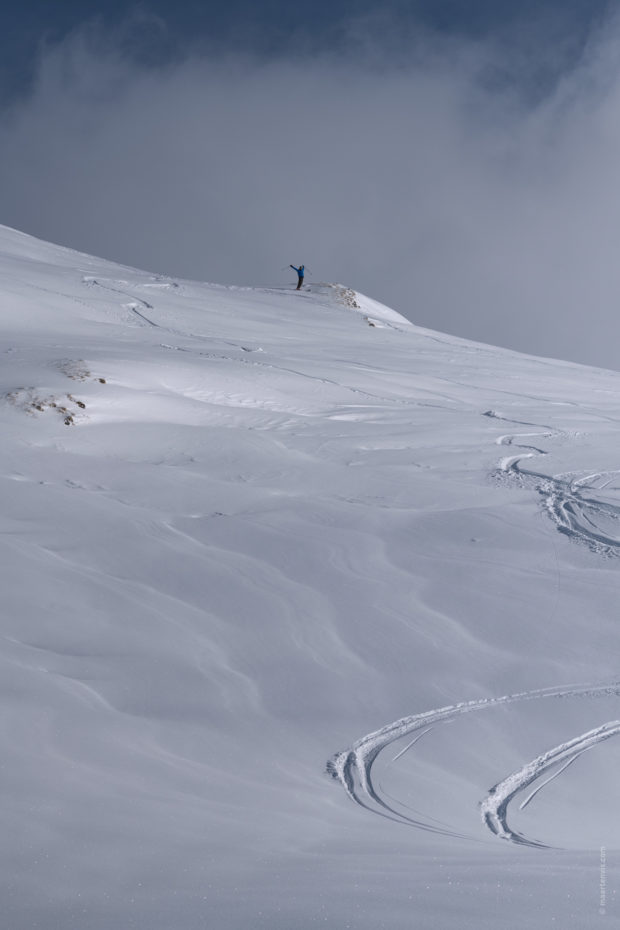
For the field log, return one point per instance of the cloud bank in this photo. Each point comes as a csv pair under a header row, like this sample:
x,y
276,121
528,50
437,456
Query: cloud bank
x,y
414,170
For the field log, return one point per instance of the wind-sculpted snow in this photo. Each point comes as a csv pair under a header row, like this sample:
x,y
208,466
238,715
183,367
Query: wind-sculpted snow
x,y
494,808
581,506
353,767
239,522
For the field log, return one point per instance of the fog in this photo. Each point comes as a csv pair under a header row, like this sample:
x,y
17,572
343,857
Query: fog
x,y
430,173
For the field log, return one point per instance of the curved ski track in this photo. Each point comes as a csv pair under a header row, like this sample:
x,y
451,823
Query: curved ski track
x,y
353,767
574,503
494,808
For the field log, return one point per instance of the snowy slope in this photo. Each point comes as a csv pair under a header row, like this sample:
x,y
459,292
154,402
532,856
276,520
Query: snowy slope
x,y
252,535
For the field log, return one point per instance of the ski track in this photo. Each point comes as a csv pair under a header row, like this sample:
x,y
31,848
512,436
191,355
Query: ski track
x,y
570,501
136,302
573,505
353,767
494,808
559,771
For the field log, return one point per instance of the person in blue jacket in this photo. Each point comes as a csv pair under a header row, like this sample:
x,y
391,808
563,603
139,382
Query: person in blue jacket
x,y
300,275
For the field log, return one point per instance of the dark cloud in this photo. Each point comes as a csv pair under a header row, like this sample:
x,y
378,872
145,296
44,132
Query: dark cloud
x,y
166,30
428,180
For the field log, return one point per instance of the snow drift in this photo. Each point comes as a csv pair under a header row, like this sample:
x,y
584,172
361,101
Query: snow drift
x,y
241,528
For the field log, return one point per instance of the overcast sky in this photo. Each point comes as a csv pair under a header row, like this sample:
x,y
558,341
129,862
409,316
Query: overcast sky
x,y
457,159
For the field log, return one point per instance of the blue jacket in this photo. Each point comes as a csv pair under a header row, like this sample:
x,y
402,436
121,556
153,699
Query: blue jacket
x,y
300,270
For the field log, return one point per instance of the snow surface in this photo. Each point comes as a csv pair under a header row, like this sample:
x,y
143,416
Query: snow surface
x,y
300,603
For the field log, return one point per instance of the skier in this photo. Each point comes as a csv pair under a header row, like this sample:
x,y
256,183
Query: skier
x,y
300,275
